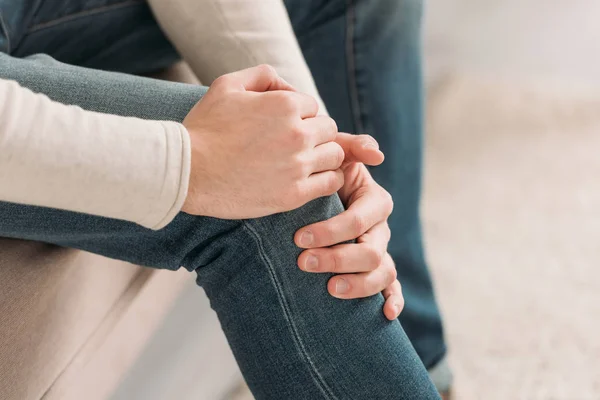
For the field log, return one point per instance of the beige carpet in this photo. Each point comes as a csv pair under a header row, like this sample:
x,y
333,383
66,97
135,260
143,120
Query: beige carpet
x,y
512,220
512,217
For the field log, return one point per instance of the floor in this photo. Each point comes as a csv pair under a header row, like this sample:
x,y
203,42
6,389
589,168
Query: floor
x,y
512,221
512,200
511,209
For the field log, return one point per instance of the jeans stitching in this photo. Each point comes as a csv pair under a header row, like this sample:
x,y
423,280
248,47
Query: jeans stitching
x,y
81,14
351,66
5,30
318,379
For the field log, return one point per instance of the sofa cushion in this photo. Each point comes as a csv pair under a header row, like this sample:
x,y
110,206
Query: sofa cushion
x,y
57,309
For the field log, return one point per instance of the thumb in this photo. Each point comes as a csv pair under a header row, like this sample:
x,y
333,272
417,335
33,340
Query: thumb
x,y
360,148
262,78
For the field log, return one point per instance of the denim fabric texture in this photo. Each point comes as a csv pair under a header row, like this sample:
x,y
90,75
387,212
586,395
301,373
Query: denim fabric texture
x,y
365,57
290,337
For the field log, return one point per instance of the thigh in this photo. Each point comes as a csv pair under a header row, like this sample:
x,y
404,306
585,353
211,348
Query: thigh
x,y
114,35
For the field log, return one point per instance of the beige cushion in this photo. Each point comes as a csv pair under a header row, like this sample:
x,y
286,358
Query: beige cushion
x,y
60,311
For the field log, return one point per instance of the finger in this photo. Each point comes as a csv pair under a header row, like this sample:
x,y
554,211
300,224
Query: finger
x,y
373,207
326,157
378,236
364,284
321,184
341,259
321,129
394,301
364,256
308,106
261,78
360,148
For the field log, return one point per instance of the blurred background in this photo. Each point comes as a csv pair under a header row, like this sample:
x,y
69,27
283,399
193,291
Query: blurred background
x,y
511,212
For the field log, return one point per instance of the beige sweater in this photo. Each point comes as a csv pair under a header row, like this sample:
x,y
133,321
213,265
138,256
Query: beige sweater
x,y
63,157
216,37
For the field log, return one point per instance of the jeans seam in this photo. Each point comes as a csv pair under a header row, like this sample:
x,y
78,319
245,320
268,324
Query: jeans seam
x,y
81,14
5,30
351,66
314,372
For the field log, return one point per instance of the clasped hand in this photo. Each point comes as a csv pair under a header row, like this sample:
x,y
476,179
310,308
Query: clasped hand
x,y
259,147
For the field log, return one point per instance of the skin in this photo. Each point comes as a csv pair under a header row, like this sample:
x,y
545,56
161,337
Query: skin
x,y
364,268
259,148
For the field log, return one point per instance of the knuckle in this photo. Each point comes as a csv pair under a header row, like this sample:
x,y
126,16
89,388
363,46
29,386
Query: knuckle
x,y
336,181
340,155
370,287
286,101
388,203
358,224
388,231
374,256
331,126
365,136
391,275
337,262
298,135
313,104
222,81
266,69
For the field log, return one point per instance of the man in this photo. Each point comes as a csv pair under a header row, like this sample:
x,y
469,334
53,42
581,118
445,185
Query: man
x,y
291,338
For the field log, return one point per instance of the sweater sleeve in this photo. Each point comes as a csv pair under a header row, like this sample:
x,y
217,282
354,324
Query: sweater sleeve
x,y
220,36
60,156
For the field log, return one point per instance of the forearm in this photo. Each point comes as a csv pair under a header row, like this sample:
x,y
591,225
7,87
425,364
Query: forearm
x,y
64,157
221,36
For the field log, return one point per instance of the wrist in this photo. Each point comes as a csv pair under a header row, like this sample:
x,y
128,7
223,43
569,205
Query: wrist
x,y
195,201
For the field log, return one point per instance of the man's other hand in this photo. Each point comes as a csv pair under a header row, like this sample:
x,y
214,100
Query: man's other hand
x,y
363,268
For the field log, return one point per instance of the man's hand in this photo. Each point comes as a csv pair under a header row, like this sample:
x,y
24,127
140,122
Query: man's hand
x,y
364,268
259,148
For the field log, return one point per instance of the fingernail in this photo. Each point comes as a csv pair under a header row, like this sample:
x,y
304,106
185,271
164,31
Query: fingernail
x,y
397,308
341,286
312,263
306,239
370,145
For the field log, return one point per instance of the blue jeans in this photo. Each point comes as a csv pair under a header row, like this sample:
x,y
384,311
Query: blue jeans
x,y
365,56
291,339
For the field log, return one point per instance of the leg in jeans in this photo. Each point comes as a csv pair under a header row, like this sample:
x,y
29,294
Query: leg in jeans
x,y
366,61
290,337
